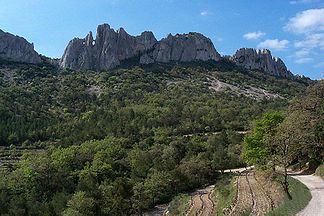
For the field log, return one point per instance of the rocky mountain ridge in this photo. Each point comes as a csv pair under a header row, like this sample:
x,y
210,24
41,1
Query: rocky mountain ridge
x,y
110,48
15,48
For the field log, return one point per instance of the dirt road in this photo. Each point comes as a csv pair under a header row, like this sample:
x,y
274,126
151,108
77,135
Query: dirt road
x,y
316,187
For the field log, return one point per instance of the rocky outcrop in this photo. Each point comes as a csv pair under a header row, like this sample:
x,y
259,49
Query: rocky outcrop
x,y
15,48
182,48
111,47
255,59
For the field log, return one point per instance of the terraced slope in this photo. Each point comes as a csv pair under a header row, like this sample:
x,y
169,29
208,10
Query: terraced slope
x,y
244,199
256,195
253,196
202,203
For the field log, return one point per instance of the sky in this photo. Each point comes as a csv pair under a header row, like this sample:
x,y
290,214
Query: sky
x,y
292,29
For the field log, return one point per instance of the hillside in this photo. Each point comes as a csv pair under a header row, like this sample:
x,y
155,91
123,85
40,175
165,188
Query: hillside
x,y
121,136
38,101
161,108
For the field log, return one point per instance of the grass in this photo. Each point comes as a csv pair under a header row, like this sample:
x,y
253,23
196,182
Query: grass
x,y
247,212
179,205
225,191
320,171
300,198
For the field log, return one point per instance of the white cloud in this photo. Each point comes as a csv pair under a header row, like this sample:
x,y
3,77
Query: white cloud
x,y
311,41
303,56
319,65
306,21
310,24
254,35
205,13
303,60
274,44
302,53
302,1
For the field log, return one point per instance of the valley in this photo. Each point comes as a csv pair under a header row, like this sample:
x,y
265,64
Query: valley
x,y
122,124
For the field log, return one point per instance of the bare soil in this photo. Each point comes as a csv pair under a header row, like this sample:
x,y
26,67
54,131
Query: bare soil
x,y
202,203
255,193
244,198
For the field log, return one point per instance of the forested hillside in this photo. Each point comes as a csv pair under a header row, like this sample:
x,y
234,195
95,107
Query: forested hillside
x,y
41,103
118,142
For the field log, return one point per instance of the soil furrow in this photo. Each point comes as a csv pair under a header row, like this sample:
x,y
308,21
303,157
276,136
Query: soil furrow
x,y
190,206
244,196
208,204
265,192
197,205
247,176
200,210
262,204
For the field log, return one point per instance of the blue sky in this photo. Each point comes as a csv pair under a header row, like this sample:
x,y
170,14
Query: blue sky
x,y
291,29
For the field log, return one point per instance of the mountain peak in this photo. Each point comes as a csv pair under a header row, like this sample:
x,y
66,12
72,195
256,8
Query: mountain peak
x,y
111,47
261,59
15,48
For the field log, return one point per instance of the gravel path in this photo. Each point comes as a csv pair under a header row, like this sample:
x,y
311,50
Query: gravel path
x,y
316,187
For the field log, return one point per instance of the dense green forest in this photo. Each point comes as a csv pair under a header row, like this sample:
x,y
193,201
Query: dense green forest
x,y
119,142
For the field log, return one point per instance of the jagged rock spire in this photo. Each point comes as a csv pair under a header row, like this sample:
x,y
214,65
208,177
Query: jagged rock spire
x,y
111,47
256,59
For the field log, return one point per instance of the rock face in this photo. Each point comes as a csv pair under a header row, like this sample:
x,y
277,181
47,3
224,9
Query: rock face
x,y
111,47
254,59
182,48
15,48
107,50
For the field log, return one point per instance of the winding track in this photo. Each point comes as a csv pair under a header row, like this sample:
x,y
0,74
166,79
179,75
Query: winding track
x,y
316,187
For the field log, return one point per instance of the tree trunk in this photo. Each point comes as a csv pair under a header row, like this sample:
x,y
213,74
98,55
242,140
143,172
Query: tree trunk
x,y
286,184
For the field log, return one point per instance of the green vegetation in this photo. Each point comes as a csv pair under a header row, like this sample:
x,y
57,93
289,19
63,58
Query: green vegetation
x,y
225,192
255,149
247,212
179,205
280,140
320,171
300,198
122,141
42,105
